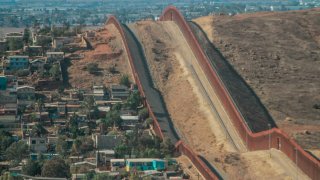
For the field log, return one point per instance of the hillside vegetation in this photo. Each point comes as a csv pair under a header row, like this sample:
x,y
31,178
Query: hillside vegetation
x,y
278,55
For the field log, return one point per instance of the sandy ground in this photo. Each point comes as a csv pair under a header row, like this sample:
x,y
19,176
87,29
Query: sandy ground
x,y
188,109
278,55
108,52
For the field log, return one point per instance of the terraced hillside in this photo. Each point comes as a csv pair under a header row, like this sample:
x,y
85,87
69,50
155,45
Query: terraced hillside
x,y
278,55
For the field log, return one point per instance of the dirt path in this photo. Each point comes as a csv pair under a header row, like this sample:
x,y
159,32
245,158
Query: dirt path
x,y
167,53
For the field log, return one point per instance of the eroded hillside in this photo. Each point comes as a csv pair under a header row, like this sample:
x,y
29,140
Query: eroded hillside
x,y
278,55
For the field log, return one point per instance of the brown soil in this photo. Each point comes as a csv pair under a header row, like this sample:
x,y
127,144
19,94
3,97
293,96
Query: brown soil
x,y
278,55
108,51
166,50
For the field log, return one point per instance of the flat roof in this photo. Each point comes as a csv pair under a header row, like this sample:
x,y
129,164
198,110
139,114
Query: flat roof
x,y
55,52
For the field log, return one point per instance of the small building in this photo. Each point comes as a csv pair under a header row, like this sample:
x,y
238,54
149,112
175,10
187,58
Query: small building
x,y
37,144
117,164
99,93
104,156
26,93
16,63
59,42
38,63
54,57
119,92
33,50
3,46
47,156
145,164
15,37
106,141
41,39
3,82
129,121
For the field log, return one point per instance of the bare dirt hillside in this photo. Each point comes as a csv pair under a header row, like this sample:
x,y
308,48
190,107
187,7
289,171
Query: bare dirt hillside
x,y
278,55
166,53
108,51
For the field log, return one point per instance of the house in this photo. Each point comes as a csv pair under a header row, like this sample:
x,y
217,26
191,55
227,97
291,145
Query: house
x,y
41,39
15,37
99,93
129,121
145,164
54,57
106,141
47,156
3,83
8,116
117,164
119,92
33,50
16,63
104,156
59,42
37,144
3,46
38,63
25,95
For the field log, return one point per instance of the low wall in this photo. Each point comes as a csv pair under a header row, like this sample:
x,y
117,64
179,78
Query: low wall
x,y
273,138
156,127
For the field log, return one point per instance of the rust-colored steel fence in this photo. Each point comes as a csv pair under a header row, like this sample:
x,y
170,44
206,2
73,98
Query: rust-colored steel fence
x,y
273,138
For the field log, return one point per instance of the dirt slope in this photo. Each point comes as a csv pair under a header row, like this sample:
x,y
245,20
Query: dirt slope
x,y
108,51
166,51
278,55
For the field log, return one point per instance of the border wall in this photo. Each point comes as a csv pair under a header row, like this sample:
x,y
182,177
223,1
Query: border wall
x,y
273,138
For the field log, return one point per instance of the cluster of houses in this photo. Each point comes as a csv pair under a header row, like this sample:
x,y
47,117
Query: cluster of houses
x,y
29,98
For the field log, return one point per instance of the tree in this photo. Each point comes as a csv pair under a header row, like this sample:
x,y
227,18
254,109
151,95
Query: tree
x,y
5,140
31,168
143,113
56,167
124,80
88,105
134,100
62,146
92,68
26,36
112,119
40,105
121,151
17,151
38,130
167,148
15,44
55,72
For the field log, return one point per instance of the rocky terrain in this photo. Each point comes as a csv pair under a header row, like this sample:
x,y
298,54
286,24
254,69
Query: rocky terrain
x,y
278,55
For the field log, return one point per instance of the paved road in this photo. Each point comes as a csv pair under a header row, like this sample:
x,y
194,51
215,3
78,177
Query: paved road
x,y
153,96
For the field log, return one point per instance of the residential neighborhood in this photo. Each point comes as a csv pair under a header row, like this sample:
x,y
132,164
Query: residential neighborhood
x,y
50,128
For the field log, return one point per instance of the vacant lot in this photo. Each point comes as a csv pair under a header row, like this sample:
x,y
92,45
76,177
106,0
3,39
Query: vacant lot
x,y
278,55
